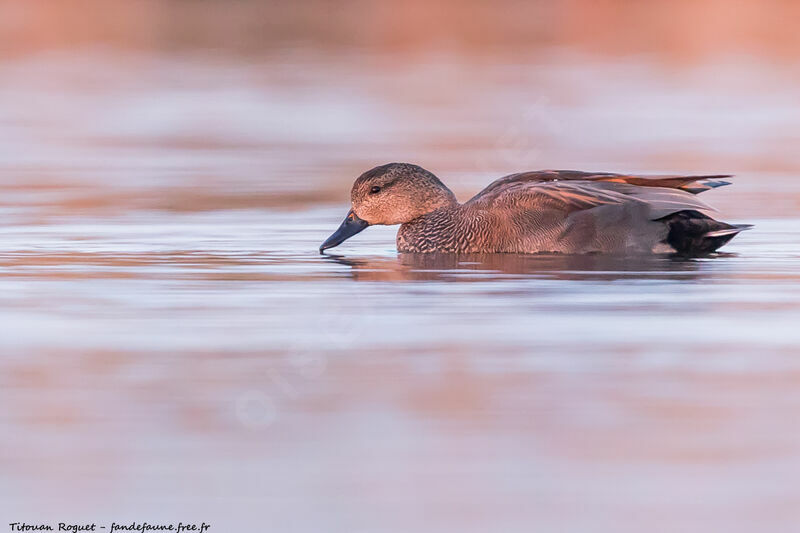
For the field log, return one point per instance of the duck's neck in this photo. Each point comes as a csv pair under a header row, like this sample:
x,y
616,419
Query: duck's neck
x,y
431,231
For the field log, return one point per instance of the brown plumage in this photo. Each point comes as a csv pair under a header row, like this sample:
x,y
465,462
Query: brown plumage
x,y
563,211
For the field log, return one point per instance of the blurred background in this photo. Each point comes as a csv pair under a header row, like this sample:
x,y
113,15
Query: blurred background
x,y
172,347
207,104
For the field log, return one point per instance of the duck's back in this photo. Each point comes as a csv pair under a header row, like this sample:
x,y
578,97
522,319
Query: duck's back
x,y
575,212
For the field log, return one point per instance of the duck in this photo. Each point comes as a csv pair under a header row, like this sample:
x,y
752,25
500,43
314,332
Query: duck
x,y
543,211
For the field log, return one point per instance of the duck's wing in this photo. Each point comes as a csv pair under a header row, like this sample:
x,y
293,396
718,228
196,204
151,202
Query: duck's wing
x,y
573,194
691,184
575,212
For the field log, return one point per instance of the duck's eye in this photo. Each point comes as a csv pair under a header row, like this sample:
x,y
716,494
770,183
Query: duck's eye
x,y
375,190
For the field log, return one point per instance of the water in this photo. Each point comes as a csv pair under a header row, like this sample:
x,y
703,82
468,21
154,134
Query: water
x,y
216,365
173,345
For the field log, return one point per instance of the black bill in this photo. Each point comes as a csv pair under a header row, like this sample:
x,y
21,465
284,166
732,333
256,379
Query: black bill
x,y
351,225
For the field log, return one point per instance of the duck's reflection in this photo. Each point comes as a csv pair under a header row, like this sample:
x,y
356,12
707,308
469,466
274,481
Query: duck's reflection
x,y
483,267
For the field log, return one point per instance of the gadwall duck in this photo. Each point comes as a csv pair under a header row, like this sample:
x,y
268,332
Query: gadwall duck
x,y
559,211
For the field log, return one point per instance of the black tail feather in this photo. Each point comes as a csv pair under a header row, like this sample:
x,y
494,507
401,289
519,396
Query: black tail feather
x,y
693,233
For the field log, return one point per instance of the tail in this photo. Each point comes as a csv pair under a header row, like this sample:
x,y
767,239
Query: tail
x,y
693,233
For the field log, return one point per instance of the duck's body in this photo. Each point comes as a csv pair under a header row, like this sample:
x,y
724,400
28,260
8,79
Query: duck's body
x,y
543,211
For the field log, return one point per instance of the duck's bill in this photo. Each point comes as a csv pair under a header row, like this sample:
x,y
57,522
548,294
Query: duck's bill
x,y
351,226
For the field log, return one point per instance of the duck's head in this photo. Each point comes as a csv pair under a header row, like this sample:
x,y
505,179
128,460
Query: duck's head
x,y
390,194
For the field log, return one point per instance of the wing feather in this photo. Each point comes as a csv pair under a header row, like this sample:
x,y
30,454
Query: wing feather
x,y
692,184
569,196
